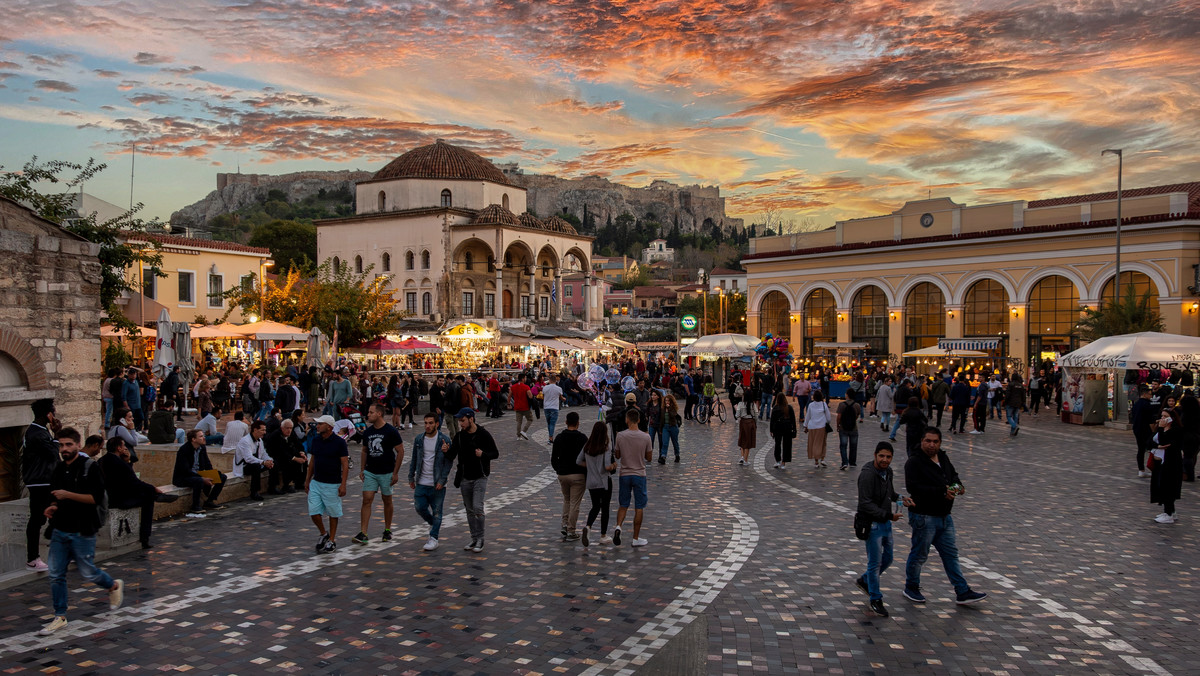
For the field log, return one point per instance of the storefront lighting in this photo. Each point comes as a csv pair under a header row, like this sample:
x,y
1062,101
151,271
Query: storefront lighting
x,y
841,317
950,314
892,315
1015,312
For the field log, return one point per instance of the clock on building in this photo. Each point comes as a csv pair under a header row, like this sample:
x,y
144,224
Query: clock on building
x,y
926,220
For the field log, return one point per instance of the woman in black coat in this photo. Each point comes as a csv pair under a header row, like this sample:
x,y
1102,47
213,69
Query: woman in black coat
x,y
1166,476
783,429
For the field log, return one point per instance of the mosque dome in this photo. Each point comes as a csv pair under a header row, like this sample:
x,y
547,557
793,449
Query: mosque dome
x,y
442,160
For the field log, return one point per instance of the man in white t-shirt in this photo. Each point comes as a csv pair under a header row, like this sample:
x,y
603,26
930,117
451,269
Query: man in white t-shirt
x,y
551,401
993,398
234,431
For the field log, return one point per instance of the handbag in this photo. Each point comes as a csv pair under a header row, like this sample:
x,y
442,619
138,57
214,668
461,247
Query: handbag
x,y
862,526
829,428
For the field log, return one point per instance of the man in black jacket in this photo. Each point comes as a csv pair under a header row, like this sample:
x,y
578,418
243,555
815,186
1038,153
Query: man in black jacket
x,y
39,457
875,497
475,450
170,389
192,459
571,477
1142,416
126,490
932,484
287,398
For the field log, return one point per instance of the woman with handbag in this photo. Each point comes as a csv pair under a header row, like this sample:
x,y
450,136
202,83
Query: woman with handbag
x,y
670,428
1166,465
816,421
783,428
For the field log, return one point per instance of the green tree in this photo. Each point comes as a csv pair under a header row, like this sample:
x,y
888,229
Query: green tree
x,y
639,278
33,186
291,244
1132,315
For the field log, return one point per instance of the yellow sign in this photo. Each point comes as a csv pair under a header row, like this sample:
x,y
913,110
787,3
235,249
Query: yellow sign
x,y
469,331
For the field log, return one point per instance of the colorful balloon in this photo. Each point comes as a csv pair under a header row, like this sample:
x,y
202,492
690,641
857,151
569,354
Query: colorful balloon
x,y
628,383
612,376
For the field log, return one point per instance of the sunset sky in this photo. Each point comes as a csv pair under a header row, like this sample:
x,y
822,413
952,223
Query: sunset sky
x,y
825,109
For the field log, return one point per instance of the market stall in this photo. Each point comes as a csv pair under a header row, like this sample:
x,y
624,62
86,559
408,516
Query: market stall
x,y
466,344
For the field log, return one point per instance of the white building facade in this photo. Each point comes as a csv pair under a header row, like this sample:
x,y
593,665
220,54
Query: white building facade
x,y
658,251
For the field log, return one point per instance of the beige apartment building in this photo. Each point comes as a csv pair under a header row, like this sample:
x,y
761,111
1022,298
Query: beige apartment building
x,y
1008,278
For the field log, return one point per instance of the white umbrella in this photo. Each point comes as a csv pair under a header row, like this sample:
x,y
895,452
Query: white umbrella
x,y
1147,350
182,334
164,346
317,352
722,345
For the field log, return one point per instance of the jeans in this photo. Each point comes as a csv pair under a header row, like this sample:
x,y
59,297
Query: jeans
x,y
764,406
994,407
939,532
885,419
108,409
428,501
848,438
669,435
601,497
199,490
879,556
39,500
655,431
214,439
551,420
802,404
896,423
572,492
473,491
63,548
1014,418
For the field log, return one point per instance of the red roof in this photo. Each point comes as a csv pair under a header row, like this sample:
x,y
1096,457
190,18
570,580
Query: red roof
x,y
1192,189
441,160
725,272
653,292
210,244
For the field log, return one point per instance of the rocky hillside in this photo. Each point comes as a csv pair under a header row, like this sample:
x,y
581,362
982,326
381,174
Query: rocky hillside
x,y
240,191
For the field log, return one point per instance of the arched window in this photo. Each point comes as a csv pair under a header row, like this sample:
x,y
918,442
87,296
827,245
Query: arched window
x,y
446,200
504,200
408,260
869,317
820,320
924,316
337,264
382,200
425,259
468,261
358,264
773,315
1053,314
491,263
1141,285
426,303
385,262
985,314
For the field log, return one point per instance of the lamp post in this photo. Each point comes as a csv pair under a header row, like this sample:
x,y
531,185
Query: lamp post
x,y
1120,161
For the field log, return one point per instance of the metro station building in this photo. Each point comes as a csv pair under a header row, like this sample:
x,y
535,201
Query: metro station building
x,y
1011,276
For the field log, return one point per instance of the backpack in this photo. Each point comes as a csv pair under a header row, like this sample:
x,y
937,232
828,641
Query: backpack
x,y
849,417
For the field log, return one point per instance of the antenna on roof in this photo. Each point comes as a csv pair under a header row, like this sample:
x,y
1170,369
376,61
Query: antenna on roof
x,y
132,160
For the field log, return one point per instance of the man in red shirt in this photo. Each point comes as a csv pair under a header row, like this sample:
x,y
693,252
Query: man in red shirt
x,y
494,403
519,394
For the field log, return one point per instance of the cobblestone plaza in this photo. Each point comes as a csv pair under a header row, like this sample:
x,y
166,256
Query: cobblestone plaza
x,y
748,569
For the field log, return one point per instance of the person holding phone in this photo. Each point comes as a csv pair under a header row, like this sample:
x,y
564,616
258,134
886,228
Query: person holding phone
x,y
1166,471
876,494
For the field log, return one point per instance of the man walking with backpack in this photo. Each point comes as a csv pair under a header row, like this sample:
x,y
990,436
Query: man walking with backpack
x,y
78,508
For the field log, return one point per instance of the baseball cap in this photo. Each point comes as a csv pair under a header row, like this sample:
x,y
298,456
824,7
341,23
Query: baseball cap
x,y
465,412
327,419
631,398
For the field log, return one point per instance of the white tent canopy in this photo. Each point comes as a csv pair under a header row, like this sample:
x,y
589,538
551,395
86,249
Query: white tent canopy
x,y
722,345
1147,350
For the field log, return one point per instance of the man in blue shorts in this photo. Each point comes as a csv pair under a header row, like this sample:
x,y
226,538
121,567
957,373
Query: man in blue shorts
x,y
382,455
328,469
633,449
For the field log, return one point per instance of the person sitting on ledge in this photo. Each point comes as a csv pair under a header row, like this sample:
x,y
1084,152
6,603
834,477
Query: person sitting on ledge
x,y
126,490
161,425
209,425
192,459
123,429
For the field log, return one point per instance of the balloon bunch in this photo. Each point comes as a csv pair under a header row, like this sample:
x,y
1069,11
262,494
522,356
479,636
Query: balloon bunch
x,y
773,350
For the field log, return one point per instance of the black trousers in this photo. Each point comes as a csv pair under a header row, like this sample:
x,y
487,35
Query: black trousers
x,y
1035,397
601,497
783,448
958,418
1143,443
253,474
939,408
39,500
286,472
200,492
144,500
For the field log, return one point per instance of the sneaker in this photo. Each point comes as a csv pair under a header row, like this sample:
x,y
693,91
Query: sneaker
x,y
969,597
469,547
478,546
891,438
329,548
57,623
777,465
741,462
195,515
209,504
878,609
563,534
387,535
914,595
431,545
662,459
583,537
976,432
843,467
605,540
360,539
116,595
861,583
1165,518
1143,474
677,458
639,542
322,542
617,536
37,564
571,537
1016,430
823,464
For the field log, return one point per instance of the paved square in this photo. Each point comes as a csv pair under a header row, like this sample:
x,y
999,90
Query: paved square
x,y
748,570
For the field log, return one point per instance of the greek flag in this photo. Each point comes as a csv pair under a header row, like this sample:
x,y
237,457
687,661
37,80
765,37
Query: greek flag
x,y
554,292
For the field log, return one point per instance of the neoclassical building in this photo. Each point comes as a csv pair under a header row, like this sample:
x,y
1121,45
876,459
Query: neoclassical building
x,y
453,235
1010,276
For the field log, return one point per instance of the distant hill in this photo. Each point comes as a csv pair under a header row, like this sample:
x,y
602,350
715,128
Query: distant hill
x,y
304,195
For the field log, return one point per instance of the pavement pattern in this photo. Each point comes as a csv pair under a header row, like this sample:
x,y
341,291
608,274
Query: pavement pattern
x,y
751,566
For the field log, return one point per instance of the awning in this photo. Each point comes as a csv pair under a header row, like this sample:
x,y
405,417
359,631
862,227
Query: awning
x,y
581,344
140,309
618,343
957,344
658,346
552,343
512,341
841,346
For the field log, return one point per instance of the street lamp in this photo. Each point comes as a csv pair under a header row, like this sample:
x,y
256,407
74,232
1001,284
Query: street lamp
x,y
1120,161
262,288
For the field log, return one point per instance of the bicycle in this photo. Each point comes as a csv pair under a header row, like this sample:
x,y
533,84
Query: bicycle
x,y
714,408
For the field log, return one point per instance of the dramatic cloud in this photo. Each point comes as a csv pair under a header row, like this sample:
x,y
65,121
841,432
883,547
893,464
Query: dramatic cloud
x,y
581,107
183,70
106,73
55,86
150,59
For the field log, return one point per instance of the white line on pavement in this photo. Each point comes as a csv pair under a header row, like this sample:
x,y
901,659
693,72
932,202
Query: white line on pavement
x,y
1081,623
691,602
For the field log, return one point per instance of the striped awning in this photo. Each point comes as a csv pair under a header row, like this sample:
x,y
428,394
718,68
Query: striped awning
x,y
969,343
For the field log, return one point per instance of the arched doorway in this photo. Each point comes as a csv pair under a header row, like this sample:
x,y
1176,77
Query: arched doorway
x,y
924,316
773,315
869,316
820,319
508,304
985,315
1053,314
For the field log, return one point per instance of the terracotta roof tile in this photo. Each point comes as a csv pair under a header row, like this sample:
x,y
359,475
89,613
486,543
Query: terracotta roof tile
x,y
1192,189
210,244
441,160
494,213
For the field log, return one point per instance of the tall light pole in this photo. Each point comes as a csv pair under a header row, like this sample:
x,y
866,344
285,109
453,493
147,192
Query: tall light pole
x,y
1117,280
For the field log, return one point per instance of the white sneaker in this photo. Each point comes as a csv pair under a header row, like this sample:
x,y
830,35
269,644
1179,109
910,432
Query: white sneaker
x,y
57,623
431,545
37,564
639,542
976,432
605,540
116,595
195,515
1142,475
1161,518
777,465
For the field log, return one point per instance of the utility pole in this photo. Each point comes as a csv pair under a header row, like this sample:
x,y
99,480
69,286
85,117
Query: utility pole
x,y
1120,161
